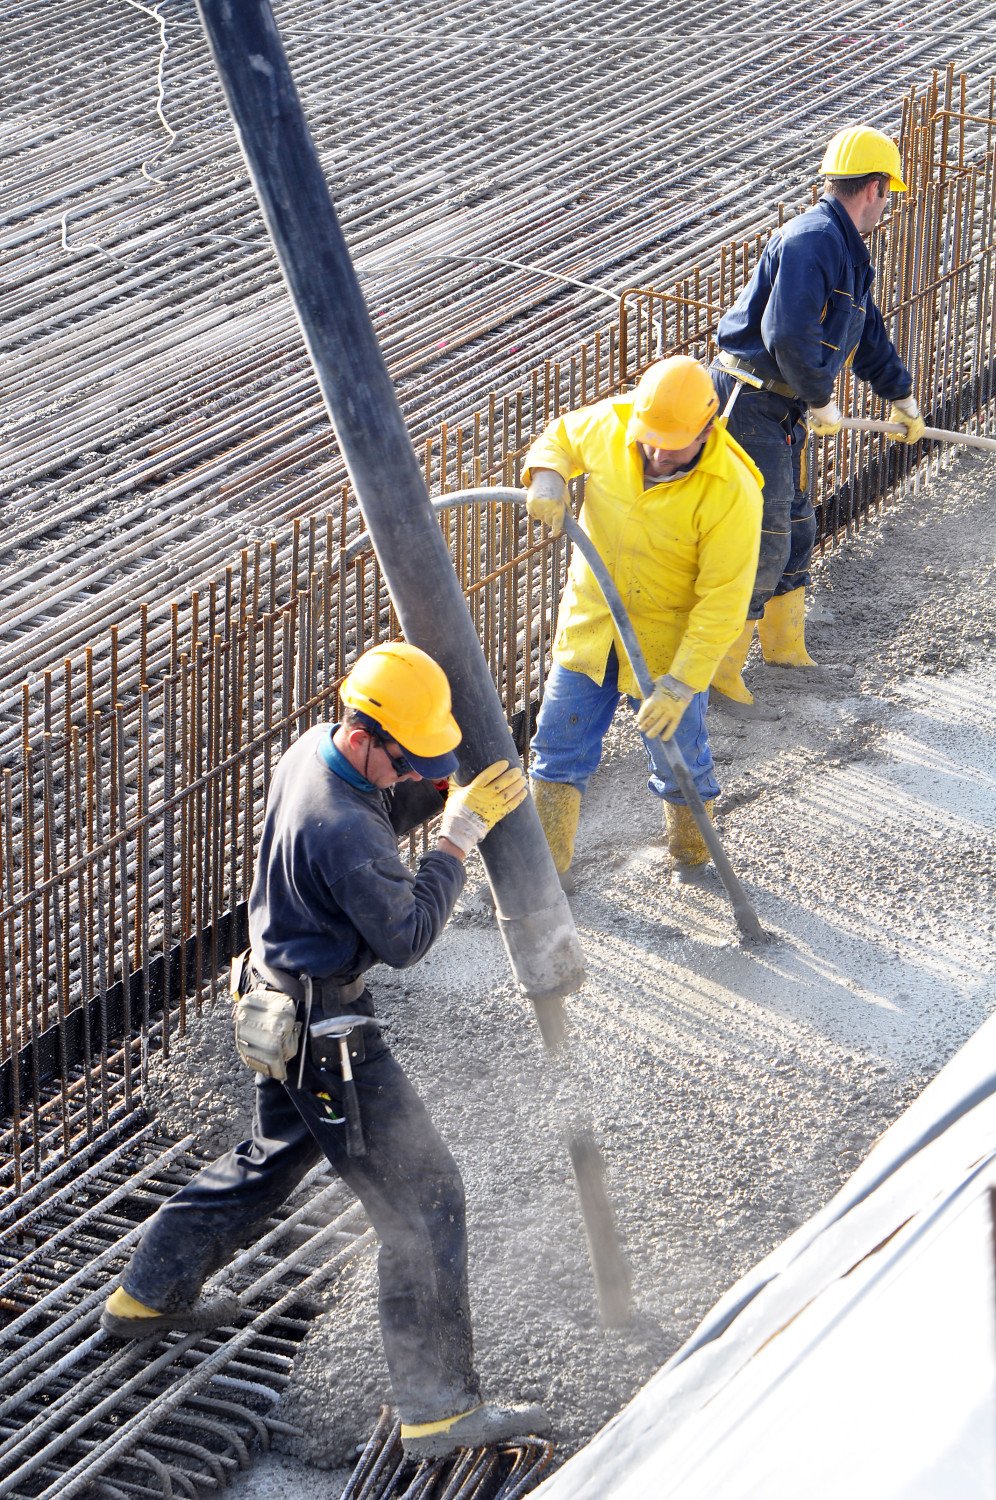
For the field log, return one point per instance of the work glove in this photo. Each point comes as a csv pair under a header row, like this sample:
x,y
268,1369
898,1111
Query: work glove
x,y
472,811
908,414
659,715
824,421
546,499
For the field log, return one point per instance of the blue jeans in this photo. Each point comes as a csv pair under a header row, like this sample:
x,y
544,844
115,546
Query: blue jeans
x,y
409,1185
770,429
573,719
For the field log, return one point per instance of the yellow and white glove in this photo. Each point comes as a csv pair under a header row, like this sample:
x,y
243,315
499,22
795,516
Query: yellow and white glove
x,y
659,715
907,412
546,499
824,421
473,810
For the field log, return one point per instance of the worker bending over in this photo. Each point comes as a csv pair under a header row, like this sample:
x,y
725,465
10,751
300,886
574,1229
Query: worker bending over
x,y
330,899
673,506
806,313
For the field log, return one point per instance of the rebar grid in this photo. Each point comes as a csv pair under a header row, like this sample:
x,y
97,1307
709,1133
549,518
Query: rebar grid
x,y
135,779
162,344
80,1411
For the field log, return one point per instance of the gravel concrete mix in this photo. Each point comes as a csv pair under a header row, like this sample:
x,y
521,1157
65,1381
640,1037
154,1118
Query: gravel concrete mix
x,y
732,1089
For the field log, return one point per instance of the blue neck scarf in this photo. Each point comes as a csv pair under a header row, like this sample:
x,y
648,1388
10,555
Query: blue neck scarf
x,y
337,762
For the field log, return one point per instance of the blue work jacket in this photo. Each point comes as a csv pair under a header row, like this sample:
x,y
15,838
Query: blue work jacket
x,y
808,310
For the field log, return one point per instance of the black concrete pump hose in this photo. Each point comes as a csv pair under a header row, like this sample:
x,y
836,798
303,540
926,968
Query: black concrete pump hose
x,y
532,913
664,754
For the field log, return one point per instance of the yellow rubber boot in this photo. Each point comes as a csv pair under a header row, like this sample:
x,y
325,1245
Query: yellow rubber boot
x,y
727,679
124,1317
559,808
685,843
121,1305
782,631
482,1426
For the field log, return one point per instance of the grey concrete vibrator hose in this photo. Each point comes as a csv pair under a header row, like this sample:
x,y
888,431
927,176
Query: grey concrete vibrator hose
x,y
664,754
930,434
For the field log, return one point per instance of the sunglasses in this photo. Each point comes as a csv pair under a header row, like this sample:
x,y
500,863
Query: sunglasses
x,y
399,764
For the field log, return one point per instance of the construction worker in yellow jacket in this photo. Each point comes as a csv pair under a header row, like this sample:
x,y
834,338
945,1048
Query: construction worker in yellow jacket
x,y
673,506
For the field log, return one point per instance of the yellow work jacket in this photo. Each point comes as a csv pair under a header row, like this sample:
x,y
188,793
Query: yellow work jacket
x,y
683,554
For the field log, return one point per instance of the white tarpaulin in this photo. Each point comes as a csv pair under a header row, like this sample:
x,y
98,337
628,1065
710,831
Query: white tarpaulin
x,y
859,1358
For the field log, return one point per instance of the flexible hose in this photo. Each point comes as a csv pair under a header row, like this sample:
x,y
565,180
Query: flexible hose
x,y
664,754
930,434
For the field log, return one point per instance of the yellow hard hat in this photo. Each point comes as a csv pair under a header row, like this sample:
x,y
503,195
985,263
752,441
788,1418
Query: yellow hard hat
x,y
673,401
860,149
401,690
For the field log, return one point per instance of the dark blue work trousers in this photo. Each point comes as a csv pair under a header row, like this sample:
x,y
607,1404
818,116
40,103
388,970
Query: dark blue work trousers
x,y
409,1185
771,430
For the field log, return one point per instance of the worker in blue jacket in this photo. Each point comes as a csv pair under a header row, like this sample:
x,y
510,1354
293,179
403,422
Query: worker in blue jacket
x,y
806,313
331,898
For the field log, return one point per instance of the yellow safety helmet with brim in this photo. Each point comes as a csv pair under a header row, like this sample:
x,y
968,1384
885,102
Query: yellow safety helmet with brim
x,y
401,691
860,150
673,403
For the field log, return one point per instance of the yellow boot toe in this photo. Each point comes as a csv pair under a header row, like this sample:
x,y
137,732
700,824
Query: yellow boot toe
x,y
685,844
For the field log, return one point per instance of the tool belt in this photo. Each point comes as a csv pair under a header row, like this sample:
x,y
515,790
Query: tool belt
x,y
266,1000
330,995
742,369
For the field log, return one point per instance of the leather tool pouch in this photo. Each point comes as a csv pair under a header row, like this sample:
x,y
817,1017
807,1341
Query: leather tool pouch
x,y
267,1031
325,1052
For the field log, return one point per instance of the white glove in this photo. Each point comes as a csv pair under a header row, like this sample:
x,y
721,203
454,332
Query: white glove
x,y
546,499
471,811
907,412
824,421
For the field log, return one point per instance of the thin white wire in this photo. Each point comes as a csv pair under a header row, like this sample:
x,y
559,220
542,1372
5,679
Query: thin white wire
x,y
153,12
496,260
